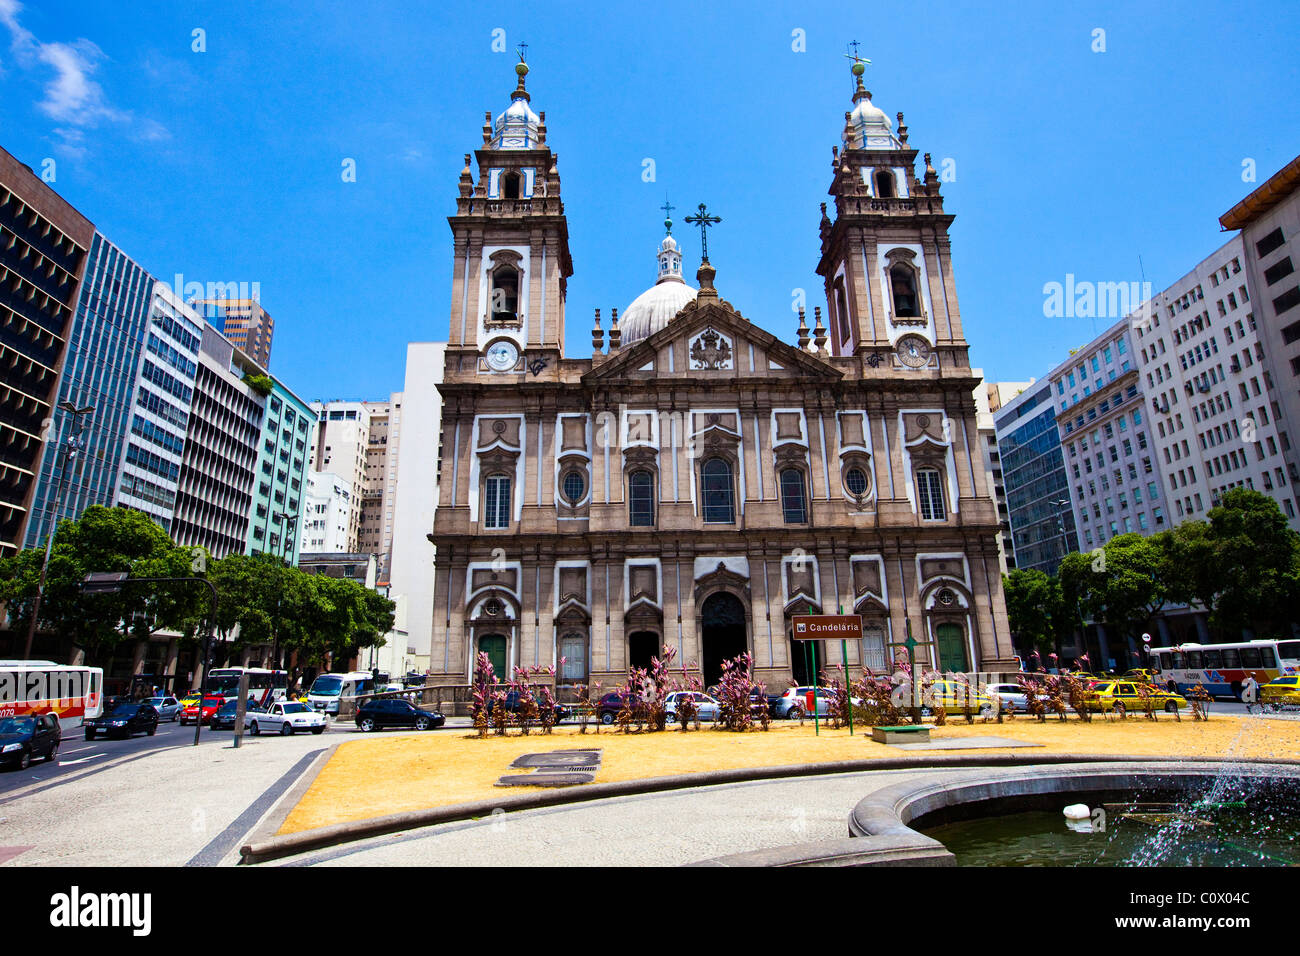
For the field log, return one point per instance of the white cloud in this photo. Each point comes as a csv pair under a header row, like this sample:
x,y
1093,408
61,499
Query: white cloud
x,y
72,96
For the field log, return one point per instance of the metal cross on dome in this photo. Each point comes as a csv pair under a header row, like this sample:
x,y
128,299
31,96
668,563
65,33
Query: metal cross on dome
x,y
704,220
854,55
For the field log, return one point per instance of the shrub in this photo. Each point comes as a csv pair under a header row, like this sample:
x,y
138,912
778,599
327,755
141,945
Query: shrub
x,y
734,692
484,677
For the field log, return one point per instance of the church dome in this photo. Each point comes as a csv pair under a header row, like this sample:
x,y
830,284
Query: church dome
x,y
518,127
656,306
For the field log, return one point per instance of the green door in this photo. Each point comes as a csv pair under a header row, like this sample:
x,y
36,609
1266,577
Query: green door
x,y
494,646
952,648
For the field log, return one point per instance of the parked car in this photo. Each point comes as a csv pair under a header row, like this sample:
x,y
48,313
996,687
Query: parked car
x,y
28,736
512,705
389,712
608,707
169,708
796,702
203,710
1011,696
706,706
224,716
125,721
953,695
1123,696
1281,690
286,718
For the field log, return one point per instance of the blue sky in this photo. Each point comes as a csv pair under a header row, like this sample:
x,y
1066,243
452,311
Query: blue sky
x,y
226,164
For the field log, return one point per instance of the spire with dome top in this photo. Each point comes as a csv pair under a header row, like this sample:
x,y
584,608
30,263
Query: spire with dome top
x,y
656,307
518,127
670,256
866,126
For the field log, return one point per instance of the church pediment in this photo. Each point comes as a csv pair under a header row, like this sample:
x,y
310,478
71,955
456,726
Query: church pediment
x,y
710,338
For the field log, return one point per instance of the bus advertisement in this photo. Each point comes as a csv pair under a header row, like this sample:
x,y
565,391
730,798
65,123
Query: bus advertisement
x,y
1222,668
72,692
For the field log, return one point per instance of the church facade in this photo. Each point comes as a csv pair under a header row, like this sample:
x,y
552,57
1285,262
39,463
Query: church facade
x,y
699,481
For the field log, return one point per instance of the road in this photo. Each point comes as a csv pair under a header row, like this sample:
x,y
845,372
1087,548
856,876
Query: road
x,y
76,753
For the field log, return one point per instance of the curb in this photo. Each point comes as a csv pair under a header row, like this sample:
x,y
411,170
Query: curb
x,y
276,847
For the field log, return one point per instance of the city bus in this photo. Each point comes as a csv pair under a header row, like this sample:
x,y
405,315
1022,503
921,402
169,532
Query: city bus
x,y
73,692
1221,668
265,686
328,689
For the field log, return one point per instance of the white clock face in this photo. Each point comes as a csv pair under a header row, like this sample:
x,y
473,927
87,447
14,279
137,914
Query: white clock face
x,y
913,351
502,356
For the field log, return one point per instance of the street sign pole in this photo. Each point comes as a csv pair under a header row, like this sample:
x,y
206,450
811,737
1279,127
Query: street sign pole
x,y
812,652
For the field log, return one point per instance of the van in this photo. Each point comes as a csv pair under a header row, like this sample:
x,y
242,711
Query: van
x,y
328,689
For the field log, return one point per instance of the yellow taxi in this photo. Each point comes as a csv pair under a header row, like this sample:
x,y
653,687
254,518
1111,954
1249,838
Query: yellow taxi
x,y
1281,690
1122,697
190,699
1142,674
952,695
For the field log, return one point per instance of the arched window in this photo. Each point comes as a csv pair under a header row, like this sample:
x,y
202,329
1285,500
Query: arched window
x,y
496,501
902,281
794,504
641,499
510,185
884,184
505,293
719,495
929,494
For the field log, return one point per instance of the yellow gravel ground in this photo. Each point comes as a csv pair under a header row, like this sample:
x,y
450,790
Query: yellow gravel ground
x,y
378,775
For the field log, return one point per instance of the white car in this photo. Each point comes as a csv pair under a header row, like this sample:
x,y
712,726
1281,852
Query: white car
x,y
706,706
285,718
1012,696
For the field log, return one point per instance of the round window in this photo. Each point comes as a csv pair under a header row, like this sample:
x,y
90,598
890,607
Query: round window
x,y
492,608
855,479
574,486
947,598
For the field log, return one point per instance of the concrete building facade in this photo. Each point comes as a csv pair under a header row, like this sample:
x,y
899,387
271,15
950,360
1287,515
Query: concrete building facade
x,y
44,244
278,512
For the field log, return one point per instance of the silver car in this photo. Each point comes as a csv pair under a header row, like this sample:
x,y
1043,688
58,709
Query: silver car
x,y
169,708
706,705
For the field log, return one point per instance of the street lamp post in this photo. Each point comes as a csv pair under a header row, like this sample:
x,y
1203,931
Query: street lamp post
x,y
68,452
289,522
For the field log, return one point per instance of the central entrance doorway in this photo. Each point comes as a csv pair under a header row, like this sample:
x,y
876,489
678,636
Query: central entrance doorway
x,y
642,646
722,633
494,646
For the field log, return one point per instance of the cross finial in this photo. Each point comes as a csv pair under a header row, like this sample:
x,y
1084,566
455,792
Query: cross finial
x,y
522,50
854,55
704,220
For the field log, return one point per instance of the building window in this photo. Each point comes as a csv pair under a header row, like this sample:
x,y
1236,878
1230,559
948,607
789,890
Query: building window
x,y
573,651
884,184
505,294
574,486
496,503
794,504
902,282
855,480
929,493
719,497
641,499
510,185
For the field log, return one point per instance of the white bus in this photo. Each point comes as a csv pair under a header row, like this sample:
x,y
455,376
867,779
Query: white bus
x,y
41,687
265,686
328,689
1221,668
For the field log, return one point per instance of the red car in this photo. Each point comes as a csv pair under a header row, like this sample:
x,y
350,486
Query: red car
x,y
203,710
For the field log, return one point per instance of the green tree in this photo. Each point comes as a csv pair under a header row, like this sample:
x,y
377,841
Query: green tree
x,y
104,540
1253,558
1035,609
1121,586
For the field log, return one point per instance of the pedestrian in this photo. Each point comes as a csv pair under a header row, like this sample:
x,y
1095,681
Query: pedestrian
x,y
1250,691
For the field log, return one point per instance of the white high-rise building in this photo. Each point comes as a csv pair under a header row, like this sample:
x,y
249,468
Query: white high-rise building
x,y
1216,422
342,437
329,511
415,499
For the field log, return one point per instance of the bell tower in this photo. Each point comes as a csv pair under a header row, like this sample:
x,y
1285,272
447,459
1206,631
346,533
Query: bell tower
x,y
885,251
511,243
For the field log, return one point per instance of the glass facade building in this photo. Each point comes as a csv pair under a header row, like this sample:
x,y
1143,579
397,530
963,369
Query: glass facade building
x,y
1037,487
105,344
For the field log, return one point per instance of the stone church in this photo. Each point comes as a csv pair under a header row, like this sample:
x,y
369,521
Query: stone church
x,y
698,481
